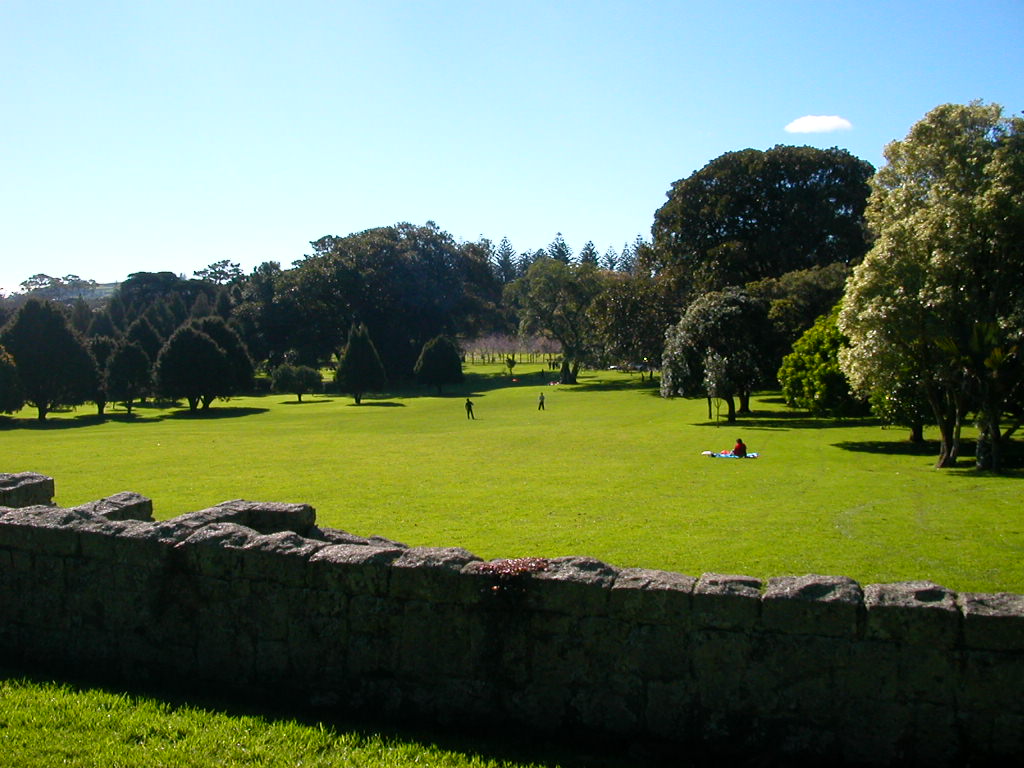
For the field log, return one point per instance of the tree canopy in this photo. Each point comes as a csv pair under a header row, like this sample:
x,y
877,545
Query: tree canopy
x,y
359,367
939,299
54,366
750,214
439,363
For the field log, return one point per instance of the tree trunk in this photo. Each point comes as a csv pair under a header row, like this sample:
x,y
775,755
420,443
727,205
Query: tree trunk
x,y
730,408
566,375
193,403
358,397
916,433
948,415
744,397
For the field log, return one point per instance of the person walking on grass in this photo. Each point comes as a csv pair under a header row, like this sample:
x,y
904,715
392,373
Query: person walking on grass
x,y
469,409
540,402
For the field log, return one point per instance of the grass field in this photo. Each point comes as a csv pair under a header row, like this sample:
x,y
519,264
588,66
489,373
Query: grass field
x,y
45,723
609,470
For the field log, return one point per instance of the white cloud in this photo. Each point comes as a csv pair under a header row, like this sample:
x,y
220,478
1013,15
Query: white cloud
x,y
819,124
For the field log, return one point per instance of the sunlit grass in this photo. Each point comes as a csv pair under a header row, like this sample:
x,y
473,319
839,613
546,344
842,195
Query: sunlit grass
x,y
609,470
44,724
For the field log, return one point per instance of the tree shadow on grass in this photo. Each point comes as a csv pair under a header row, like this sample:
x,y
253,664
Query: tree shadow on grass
x,y
214,413
75,422
1013,456
376,404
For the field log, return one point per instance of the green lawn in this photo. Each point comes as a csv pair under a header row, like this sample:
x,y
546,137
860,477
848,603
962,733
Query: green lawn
x,y
609,469
43,724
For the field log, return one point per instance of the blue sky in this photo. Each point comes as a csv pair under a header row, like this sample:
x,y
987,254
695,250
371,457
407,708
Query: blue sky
x,y
148,136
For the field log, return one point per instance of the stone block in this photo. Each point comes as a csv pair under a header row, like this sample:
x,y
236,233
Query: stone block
x,y
578,586
281,558
354,569
43,529
993,681
126,505
812,605
435,641
993,622
914,612
722,601
652,597
25,489
655,652
216,550
266,516
671,709
433,574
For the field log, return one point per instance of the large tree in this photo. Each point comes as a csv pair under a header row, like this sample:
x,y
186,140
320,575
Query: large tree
x,y
939,300
54,366
553,299
297,379
193,366
11,399
129,374
750,214
439,363
629,317
718,348
359,367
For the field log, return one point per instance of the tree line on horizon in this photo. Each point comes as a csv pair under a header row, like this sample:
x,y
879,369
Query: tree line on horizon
x,y
897,292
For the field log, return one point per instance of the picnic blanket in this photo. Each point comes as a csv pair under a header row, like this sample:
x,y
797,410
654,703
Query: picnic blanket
x,y
726,455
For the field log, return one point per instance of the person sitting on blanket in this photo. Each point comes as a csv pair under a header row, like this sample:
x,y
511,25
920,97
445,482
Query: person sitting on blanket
x,y
740,449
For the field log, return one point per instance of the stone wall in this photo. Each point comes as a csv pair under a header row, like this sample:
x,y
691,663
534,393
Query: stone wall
x,y
254,598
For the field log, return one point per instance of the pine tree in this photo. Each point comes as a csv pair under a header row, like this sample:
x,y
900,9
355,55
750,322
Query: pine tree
x,y
359,367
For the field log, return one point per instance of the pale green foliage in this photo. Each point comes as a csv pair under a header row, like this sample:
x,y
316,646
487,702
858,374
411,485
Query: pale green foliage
x,y
949,256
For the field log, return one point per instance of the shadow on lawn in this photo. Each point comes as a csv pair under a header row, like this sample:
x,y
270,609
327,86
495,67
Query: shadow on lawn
x,y
498,742
1013,456
214,413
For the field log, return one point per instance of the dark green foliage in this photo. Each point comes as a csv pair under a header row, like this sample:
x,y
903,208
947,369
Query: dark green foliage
x,y
505,262
54,366
238,356
129,374
359,366
101,348
630,317
296,379
11,399
750,214
718,348
81,316
193,366
142,332
440,363
553,299
103,325
811,377
797,299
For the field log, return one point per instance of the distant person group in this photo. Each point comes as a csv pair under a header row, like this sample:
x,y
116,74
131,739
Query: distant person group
x,y
471,415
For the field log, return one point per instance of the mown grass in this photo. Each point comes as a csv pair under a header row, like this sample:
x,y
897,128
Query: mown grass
x,y
43,724
609,470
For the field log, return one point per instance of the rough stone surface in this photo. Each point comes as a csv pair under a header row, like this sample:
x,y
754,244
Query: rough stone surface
x,y
25,489
812,605
126,505
915,612
726,601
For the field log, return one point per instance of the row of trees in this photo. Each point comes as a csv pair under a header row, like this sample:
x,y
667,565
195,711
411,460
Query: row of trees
x,y
906,282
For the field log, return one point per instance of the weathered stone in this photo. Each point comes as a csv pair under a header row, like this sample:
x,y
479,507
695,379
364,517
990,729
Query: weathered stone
x,y
656,597
723,601
812,605
279,557
993,622
216,550
434,574
25,489
355,569
915,612
571,585
126,505
43,529
266,516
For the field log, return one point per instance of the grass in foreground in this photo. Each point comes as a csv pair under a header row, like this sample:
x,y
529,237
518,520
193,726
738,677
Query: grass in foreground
x,y
609,470
43,724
